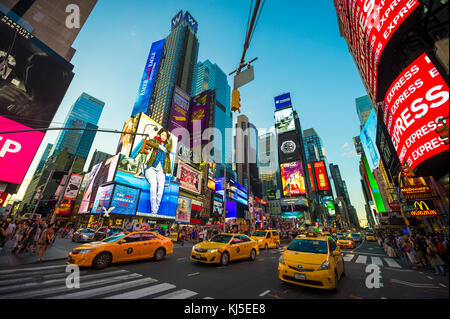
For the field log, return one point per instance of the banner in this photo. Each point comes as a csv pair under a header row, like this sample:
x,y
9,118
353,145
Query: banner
x,y
284,120
190,178
126,140
183,210
125,200
368,139
293,179
73,186
180,109
321,176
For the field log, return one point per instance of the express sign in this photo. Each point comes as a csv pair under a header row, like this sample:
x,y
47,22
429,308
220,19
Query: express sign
x,y
414,105
369,24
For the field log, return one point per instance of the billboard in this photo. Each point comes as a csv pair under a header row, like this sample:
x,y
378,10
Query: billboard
x,y
184,206
176,20
73,186
64,208
102,199
126,140
148,79
369,25
293,179
321,176
17,150
200,108
414,105
368,139
180,109
283,101
190,179
284,120
373,186
311,178
289,147
125,200
3,197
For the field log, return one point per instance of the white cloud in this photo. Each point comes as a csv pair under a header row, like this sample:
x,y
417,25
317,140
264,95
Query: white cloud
x,y
344,146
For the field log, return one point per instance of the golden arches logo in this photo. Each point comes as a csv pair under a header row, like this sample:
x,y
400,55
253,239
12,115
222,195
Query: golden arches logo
x,y
421,205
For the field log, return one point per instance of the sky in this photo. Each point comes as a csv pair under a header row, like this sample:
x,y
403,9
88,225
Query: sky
x,y
297,44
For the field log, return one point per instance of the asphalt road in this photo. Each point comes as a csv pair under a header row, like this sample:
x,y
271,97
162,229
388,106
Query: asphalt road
x,y
178,277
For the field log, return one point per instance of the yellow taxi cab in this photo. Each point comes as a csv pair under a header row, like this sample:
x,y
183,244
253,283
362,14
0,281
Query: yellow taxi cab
x,y
371,237
267,239
345,241
224,248
326,234
313,261
120,248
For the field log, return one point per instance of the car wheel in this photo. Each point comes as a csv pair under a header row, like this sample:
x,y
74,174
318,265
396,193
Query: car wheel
x,y
224,259
266,247
277,245
252,255
102,260
159,254
343,270
336,282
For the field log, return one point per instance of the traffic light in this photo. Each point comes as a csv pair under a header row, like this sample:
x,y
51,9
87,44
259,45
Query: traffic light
x,y
236,101
444,130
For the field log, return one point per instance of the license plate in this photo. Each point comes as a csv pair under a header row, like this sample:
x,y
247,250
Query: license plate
x,y
300,276
198,256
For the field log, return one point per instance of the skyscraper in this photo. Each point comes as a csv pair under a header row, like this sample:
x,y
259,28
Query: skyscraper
x,y
209,76
339,184
269,169
176,67
314,150
44,157
363,109
98,157
85,114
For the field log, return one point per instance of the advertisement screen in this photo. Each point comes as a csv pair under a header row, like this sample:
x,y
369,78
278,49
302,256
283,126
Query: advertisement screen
x,y
180,109
102,199
414,104
282,101
17,150
374,189
126,140
148,79
369,26
199,112
73,186
190,179
125,200
284,120
293,179
311,178
368,139
289,147
65,207
183,210
3,197
321,176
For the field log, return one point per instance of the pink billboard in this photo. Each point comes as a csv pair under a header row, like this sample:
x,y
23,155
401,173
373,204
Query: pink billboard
x,y
17,150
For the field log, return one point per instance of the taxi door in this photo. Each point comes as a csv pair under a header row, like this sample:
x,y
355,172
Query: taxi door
x,y
130,249
246,246
149,243
337,260
236,247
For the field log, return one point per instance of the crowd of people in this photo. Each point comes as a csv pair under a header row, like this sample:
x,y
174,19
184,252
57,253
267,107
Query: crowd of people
x,y
424,251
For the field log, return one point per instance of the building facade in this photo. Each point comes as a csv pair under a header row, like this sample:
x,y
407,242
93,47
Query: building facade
x,y
44,157
98,157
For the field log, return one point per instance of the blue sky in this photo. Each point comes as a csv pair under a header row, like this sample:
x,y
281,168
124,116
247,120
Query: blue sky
x,y
297,43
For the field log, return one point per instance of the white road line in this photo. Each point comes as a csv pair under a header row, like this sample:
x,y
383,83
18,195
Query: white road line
x,y
377,261
144,292
15,281
264,293
392,263
442,285
184,258
57,290
361,259
429,277
194,274
104,290
180,294
348,257
208,298
10,271
411,284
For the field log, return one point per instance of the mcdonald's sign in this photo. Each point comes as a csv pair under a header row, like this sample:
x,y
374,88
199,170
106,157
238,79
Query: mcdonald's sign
x,y
423,208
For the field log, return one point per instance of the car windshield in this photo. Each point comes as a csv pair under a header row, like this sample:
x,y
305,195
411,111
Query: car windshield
x,y
340,236
309,246
260,234
88,231
221,239
356,236
113,239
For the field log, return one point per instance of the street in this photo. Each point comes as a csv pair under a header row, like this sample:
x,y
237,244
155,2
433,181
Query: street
x,y
176,277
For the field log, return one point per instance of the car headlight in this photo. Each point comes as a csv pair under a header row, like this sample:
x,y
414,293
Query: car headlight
x,y
212,250
281,260
325,265
86,251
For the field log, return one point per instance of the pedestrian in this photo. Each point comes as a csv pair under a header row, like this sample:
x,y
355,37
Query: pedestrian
x,y
434,259
36,239
11,230
18,236
410,253
44,241
3,233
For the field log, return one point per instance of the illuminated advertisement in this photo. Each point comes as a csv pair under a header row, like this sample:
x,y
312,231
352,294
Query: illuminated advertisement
x,y
321,176
373,187
369,25
414,105
284,120
184,206
368,139
124,200
73,186
148,79
64,208
3,197
288,147
283,101
190,179
17,150
180,109
102,199
211,184
311,178
126,140
199,117
293,179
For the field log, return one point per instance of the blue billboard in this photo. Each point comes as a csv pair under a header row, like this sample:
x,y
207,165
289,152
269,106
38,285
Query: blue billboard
x,y
125,200
102,199
368,139
148,79
282,101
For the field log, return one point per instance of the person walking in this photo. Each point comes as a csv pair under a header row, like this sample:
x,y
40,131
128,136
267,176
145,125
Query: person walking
x,y
44,241
434,259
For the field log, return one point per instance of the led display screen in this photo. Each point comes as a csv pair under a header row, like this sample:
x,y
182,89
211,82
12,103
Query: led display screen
x,y
368,139
293,179
321,176
284,120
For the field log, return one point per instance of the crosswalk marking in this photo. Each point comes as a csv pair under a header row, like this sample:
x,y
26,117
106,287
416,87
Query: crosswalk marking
x,y
361,259
392,263
105,290
144,292
180,294
10,271
377,261
348,257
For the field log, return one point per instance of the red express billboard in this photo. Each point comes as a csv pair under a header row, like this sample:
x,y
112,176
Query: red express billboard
x,y
369,25
414,105
321,176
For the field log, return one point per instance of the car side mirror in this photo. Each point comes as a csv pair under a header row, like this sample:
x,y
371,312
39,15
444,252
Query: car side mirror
x,y
123,241
336,252
285,247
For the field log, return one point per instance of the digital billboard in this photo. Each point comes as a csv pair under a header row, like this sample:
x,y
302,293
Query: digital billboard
x,y
289,147
293,179
368,139
414,104
149,77
283,101
284,120
373,186
321,176
102,199
190,178
125,200
180,109
200,108
126,140
311,178
73,186
184,206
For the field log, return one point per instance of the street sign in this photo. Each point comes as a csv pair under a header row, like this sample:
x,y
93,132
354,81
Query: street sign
x,y
244,78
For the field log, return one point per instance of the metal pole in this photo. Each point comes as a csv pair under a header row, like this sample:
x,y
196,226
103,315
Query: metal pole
x,y
42,193
63,190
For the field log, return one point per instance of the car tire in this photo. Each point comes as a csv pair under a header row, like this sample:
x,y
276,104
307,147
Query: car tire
x,y
336,282
343,270
102,260
252,255
159,254
224,259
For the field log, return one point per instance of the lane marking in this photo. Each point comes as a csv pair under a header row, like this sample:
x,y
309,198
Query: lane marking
x,y
392,263
411,284
264,293
144,292
180,294
442,285
348,257
429,277
377,261
361,259
194,274
10,271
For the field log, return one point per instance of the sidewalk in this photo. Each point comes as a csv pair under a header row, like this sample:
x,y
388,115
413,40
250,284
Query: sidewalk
x,y
58,251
